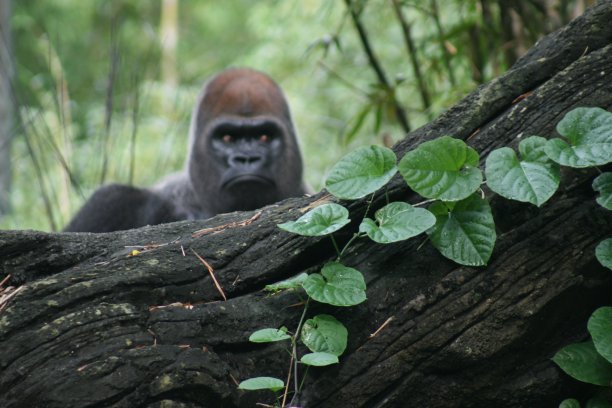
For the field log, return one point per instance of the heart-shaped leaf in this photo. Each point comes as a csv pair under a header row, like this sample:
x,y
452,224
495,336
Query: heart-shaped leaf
x,y
532,179
337,285
319,359
444,168
361,172
464,231
603,185
396,222
589,138
584,363
324,333
262,383
268,335
600,328
322,220
603,253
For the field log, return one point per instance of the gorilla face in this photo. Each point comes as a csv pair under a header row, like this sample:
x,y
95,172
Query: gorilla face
x,y
244,153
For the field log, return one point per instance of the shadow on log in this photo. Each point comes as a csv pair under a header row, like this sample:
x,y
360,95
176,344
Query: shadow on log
x,y
87,325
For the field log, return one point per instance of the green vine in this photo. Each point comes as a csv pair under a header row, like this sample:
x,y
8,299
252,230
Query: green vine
x,y
457,221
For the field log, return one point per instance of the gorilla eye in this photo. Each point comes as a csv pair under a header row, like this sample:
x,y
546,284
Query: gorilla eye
x,y
264,138
226,138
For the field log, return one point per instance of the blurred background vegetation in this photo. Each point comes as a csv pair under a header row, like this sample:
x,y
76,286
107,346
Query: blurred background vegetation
x,y
95,91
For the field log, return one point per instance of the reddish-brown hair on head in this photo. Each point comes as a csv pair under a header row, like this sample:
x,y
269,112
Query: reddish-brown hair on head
x,y
242,92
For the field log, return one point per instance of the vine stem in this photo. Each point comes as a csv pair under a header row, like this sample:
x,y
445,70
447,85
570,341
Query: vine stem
x,y
425,202
294,351
288,381
356,235
353,238
336,246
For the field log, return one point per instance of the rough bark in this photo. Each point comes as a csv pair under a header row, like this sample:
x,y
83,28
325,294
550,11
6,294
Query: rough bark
x,y
91,326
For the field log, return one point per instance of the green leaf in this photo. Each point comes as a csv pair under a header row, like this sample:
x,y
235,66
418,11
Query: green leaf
x,y
603,253
589,133
319,359
600,328
533,179
603,185
262,383
396,222
324,333
464,233
598,403
322,220
337,285
583,362
291,283
361,172
444,168
268,335
569,403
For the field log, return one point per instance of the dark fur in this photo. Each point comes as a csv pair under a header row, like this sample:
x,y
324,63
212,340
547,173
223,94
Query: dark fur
x,y
219,176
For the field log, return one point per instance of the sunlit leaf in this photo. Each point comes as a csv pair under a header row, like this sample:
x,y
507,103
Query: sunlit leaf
x,y
337,285
268,335
319,359
322,220
533,179
584,363
291,283
397,221
588,133
262,383
444,168
464,232
324,333
361,172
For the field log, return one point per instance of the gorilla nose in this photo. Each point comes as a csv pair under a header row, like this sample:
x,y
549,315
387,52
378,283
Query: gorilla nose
x,y
242,160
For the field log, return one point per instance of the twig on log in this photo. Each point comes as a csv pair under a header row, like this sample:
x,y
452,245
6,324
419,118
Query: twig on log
x,y
211,271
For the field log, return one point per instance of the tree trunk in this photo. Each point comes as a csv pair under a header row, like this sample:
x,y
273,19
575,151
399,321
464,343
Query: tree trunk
x,y
88,325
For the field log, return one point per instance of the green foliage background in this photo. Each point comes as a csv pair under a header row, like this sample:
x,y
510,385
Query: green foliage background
x,y
64,55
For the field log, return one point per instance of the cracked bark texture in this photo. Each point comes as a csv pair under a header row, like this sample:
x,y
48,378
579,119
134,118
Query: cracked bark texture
x,y
91,326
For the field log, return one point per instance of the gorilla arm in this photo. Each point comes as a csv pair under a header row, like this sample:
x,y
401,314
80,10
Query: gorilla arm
x,y
116,207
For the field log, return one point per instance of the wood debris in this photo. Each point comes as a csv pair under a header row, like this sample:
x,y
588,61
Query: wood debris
x,y
221,228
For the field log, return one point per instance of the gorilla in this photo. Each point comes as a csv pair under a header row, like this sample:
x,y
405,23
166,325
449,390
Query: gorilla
x,y
243,154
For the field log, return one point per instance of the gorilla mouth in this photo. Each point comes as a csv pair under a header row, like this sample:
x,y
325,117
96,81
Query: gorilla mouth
x,y
245,180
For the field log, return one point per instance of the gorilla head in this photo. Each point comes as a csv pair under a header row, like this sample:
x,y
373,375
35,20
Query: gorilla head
x,y
243,154
243,150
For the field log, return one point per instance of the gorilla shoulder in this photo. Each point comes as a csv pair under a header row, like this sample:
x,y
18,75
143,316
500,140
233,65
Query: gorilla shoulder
x,y
117,207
